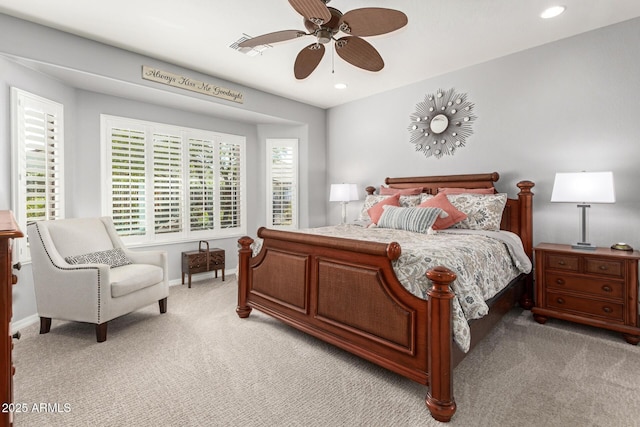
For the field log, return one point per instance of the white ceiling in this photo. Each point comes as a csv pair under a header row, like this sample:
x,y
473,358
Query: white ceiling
x,y
441,36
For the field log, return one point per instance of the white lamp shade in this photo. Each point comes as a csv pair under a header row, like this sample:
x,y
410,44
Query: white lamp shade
x,y
343,192
583,187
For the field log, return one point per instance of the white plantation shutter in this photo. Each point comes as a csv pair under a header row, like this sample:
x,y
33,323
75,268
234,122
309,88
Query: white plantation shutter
x,y
128,181
167,183
282,183
202,183
38,181
230,175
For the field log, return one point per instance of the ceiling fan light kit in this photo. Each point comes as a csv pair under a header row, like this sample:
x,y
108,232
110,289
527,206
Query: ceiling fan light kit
x,y
323,23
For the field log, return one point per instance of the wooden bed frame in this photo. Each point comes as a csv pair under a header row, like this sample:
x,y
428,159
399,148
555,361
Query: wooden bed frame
x,y
346,293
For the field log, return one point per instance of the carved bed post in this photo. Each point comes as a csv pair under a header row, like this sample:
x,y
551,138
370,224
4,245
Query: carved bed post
x,y
244,255
439,398
525,196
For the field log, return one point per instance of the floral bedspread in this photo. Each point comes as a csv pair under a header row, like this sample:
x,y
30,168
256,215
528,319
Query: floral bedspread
x,y
484,261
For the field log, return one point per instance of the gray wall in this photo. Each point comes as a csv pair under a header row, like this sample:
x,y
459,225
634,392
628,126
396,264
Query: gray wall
x,y
67,69
565,106
562,107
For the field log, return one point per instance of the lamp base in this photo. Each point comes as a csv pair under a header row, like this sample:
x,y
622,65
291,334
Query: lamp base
x,y
583,246
344,212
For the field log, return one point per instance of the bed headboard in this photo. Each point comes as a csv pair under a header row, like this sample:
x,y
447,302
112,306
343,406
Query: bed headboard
x,y
516,217
430,184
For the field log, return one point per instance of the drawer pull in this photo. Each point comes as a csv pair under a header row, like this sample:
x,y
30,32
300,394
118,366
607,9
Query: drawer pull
x,y
607,309
560,300
603,267
562,263
606,288
559,281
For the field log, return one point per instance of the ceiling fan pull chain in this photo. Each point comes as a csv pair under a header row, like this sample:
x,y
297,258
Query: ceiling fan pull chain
x,y
333,59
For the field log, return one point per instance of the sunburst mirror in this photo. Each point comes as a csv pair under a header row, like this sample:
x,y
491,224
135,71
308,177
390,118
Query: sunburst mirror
x,y
441,123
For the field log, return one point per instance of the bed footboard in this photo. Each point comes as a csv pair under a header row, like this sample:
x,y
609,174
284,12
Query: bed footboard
x,y
345,292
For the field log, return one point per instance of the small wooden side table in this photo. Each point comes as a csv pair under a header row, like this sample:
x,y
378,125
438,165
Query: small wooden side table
x,y
202,260
597,288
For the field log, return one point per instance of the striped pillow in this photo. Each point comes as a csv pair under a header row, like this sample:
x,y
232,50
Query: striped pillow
x,y
418,220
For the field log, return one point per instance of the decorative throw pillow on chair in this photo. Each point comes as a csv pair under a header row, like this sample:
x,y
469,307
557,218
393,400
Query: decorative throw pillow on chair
x,y
112,257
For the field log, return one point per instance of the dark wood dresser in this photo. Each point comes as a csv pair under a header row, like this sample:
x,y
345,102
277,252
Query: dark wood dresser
x,y
202,260
597,288
8,231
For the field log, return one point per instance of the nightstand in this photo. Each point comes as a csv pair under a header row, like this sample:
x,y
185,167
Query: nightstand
x,y
593,287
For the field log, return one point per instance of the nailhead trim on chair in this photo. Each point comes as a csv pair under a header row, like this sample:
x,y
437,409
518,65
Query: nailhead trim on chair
x,y
74,268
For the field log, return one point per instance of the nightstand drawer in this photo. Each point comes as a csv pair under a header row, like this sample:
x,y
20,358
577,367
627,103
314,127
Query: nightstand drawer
x,y
596,287
606,267
570,303
562,262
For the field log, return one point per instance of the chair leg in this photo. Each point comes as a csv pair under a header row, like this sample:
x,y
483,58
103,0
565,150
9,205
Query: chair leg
x,y
101,332
45,325
163,305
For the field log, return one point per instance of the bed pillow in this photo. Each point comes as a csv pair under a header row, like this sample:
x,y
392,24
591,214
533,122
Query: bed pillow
x,y
425,196
484,211
369,201
410,201
418,220
112,257
441,201
376,210
388,191
459,190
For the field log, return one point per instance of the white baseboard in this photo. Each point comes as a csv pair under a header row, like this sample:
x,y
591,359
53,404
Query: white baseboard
x,y
202,276
23,323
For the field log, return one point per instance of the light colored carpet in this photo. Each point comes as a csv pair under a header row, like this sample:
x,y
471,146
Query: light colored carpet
x,y
201,365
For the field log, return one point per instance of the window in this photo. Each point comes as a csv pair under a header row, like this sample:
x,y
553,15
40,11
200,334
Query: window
x,y
166,183
282,183
37,161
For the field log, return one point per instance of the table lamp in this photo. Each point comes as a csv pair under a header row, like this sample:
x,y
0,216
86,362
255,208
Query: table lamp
x,y
583,188
343,193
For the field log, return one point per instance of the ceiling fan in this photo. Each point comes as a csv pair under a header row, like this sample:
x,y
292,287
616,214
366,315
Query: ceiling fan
x,y
324,23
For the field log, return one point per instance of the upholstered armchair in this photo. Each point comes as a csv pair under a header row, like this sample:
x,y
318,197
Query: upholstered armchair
x,y
82,272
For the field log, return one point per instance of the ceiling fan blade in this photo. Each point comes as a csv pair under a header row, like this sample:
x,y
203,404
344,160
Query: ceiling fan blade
x,y
359,52
307,60
278,36
313,10
372,21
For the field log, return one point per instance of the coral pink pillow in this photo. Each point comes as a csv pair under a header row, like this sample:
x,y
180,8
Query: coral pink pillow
x,y
375,211
386,191
456,190
441,201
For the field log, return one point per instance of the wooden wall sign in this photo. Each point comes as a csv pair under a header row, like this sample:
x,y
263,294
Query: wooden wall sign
x,y
182,82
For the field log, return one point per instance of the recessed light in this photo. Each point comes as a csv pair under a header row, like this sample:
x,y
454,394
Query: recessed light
x,y
340,85
552,12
